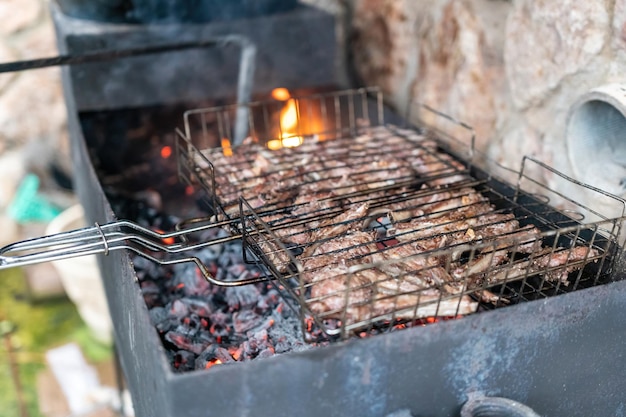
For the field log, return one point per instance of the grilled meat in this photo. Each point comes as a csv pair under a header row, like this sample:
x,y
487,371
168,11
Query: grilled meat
x,y
335,293
439,238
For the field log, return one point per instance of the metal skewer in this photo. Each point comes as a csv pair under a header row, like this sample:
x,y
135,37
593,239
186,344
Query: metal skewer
x,y
122,234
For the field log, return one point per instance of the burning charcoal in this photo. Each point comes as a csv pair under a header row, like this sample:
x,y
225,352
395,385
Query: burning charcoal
x,y
213,355
221,318
201,324
145,268
178,308
269,300
192,321
221,274
184,361
190,281
151,293
199,306
162,320
245,320
287,335
236,270
242,297
158,315
266,353
185,342
258,345
166,325
227,259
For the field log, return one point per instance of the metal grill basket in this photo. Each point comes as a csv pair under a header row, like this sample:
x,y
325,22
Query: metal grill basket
x,y
370,227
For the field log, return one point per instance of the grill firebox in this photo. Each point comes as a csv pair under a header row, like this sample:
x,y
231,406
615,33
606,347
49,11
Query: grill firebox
x,y
505,352
556,354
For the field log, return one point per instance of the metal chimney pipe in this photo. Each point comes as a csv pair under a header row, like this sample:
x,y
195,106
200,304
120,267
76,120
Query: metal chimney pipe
x,y
596,138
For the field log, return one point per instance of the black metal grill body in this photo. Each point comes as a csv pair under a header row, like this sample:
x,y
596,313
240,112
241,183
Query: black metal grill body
x,y
562,356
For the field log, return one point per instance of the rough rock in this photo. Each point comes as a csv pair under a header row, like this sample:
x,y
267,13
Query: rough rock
x,y
618,43
384,46
619,24
458,72
547,41
439,53
17,15
39,42
32,109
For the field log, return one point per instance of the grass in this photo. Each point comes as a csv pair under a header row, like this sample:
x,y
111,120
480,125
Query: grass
x,y
37,326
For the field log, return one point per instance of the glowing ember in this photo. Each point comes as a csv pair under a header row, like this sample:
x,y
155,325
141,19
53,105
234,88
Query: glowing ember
x,y
226,148
281,94
166,152
235,352
166,240
212,363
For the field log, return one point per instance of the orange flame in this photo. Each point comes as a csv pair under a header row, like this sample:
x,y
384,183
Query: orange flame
x,y
289,122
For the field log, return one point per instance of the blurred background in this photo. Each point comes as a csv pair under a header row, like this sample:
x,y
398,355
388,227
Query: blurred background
x,y
36,314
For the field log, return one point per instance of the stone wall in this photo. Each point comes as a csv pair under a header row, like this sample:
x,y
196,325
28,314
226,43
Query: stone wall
x,y
511,69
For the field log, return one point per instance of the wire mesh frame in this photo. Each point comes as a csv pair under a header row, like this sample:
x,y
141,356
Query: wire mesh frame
x,y
520,278
510,284
432,119
262,240
341,114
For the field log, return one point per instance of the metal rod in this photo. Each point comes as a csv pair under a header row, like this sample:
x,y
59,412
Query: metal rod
x,y
244,90
244,81
109,55
122,234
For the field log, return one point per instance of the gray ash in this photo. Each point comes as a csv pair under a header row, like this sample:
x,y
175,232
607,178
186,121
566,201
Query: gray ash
x,y
200,324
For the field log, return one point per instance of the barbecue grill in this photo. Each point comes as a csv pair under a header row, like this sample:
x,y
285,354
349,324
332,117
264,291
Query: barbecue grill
x,y
459,261
372,243
546,352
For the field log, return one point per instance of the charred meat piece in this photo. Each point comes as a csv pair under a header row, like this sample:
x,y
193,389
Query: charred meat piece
x,y
430,303
557,265
350,219
552,264
337,293
436,167
277,254
352,248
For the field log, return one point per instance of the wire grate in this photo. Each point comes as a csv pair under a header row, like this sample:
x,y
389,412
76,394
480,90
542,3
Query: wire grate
x,y
370,226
